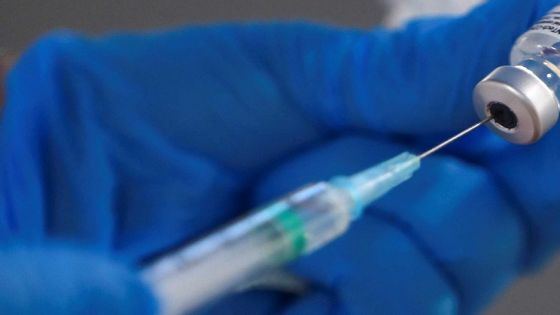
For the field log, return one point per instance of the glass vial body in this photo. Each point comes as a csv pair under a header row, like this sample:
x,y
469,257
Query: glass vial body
x,y
523,98
539,50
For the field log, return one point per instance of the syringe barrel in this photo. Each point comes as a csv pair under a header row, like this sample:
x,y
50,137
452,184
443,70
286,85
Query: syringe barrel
x,y
298,224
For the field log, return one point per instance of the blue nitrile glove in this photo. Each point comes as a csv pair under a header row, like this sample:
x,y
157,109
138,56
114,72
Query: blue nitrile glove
x,y
66,280
131,144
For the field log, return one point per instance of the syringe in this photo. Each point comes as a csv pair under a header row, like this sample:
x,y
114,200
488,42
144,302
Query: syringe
x,y
273,235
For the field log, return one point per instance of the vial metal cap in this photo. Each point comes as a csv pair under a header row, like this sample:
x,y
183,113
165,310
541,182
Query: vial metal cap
x,y
523,106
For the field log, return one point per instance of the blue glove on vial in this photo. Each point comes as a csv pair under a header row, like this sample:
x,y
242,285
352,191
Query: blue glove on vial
x,y
130,144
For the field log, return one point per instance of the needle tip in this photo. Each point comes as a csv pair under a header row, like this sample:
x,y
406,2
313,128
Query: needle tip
x,y
454,138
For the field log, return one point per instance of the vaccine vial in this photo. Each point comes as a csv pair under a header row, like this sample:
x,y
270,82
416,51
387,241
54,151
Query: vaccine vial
x,y
523,98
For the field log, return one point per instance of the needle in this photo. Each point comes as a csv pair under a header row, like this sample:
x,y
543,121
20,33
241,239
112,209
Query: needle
x,y
454,138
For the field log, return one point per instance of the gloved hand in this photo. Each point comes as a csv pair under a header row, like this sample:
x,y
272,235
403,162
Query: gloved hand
x,y
68,280
131,144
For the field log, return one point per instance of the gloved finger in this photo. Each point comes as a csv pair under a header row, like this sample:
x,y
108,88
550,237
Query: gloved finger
x,y
404,264
137,143
374,269
529,176
80,162
195,90
452,212
252,302
316,302
416,80
226,92
62,281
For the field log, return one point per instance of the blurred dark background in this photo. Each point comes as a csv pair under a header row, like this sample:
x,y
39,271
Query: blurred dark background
x,y
21,21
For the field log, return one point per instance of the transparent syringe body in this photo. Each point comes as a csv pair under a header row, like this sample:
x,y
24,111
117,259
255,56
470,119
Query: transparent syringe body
x,y
242,252
538,50
269,237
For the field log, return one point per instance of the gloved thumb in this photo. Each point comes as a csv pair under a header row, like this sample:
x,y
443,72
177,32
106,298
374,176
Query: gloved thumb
x,y
61,280
416,80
